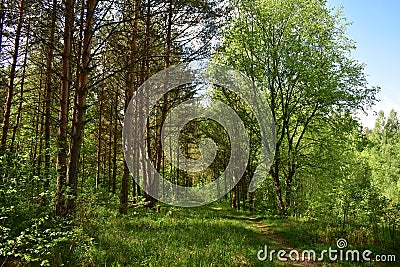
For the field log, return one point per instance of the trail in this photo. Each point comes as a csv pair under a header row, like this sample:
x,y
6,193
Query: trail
x,y
282,244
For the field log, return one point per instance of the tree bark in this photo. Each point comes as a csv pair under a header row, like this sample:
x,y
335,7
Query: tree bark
x,y
2,15
21,98
128,96
78,120
63,112
7,111
99,136
49,92
114,178
109,155
277,185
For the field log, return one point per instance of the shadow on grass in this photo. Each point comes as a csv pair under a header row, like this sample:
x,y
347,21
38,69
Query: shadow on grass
x,y
178,237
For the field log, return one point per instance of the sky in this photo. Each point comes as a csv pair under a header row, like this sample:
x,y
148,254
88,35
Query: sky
x,y
376,30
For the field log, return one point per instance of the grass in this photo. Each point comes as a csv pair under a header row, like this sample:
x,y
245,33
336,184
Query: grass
x,y
311,234
213,235
205,236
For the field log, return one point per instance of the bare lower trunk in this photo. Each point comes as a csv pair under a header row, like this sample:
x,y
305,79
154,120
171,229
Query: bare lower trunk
x,y
78,120
123,209
99,135
289,186
128,96
277,187
49,93
251,201
63,112
21,98
2,15
114,175
10,94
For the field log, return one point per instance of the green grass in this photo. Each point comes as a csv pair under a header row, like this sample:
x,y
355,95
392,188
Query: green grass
x,y
206,236
213,235
307,234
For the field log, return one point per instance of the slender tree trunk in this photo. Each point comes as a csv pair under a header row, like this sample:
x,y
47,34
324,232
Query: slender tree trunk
x,y
128,96
233,198
146,74
78,120
33,150
238,195
7,111
234,195
40,150
2,15
109,156
277,185
244,193
251,201
49,92
123,209
160,151
78,54
295,193
99,136
21,98
38,132
63,112
288,193
114,178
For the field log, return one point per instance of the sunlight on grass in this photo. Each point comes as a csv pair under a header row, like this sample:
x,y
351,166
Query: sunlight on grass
x,y
177,237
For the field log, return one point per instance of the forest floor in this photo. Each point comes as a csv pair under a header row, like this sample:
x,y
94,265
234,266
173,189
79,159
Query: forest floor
x,y
205,236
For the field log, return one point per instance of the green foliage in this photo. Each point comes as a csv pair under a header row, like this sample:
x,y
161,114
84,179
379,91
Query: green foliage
x,y
29,231
297,53
384,151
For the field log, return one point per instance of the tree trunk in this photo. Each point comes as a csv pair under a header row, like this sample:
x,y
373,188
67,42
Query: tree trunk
x,y
2,15
114,178
160,151
63,112
233,198
78,120
289,181
38,131
49,92
123,209
277,185
251,201
244,193
99,135
33,150
109,155
7,111
128,96
147,172
15,128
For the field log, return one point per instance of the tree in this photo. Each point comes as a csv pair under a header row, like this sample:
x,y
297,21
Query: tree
x,y
63,108
78,119
384,155
7,111
128,95
298,55
49,87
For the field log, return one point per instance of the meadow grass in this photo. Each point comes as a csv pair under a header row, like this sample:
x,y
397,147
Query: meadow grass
x,y
204,236
213,235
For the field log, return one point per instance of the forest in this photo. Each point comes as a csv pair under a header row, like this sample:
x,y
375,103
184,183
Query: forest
x,y
79,183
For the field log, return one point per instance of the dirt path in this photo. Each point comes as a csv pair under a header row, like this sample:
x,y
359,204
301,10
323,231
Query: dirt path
x,y
283,244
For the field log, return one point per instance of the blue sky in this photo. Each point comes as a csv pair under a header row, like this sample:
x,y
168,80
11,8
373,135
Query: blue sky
x,y
376,31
